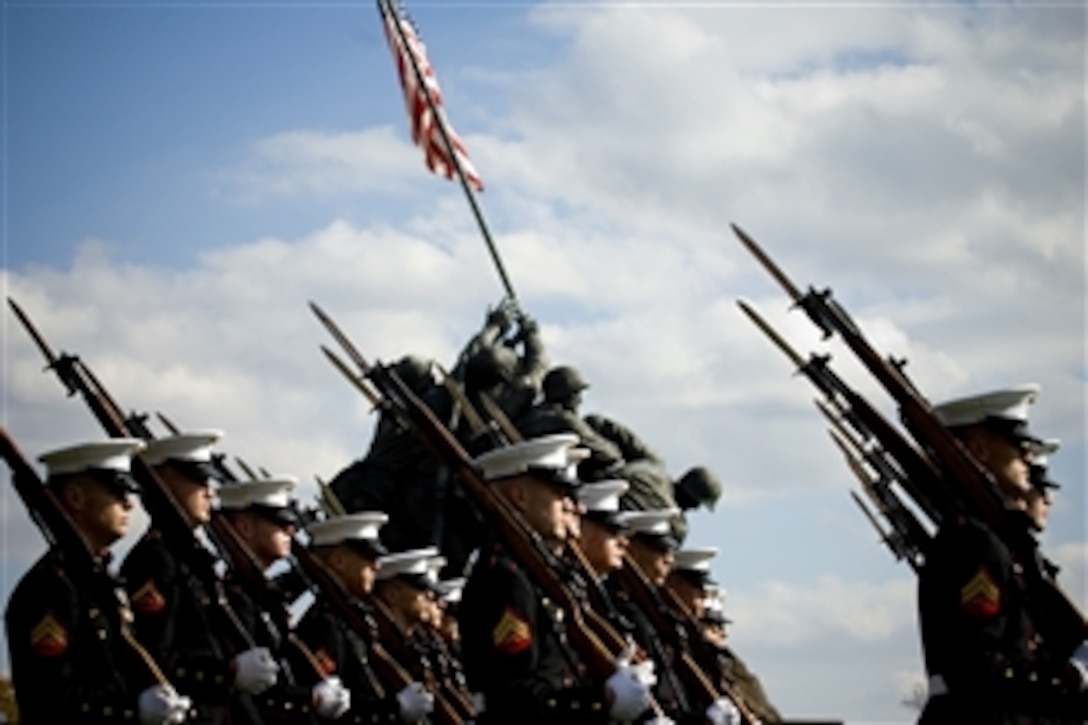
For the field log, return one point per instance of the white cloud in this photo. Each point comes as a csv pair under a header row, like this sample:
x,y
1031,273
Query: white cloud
x,y
322,164
783,614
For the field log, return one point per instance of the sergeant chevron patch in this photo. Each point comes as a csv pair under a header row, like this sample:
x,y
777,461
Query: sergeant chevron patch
x,y
512,634
148,599
981,597
49,638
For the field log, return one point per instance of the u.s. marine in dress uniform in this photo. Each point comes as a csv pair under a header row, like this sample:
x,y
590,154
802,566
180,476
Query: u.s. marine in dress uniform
x,y
703,599
263,515
174,587
986,662
66,623
516,652
349,546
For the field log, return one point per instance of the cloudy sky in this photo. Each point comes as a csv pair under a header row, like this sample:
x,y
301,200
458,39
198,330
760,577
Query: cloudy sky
x,y
179,180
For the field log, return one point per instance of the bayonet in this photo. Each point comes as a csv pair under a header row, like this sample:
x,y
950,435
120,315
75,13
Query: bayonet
x,y
358,382
798,361
330,502
246,469
169,424
768,264
345,343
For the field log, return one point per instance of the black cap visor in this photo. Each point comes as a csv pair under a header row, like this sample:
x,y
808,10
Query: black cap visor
x,y
370,548
118,483
610,520
557,477
714,616
1041,481
279,515
420,582
1015,430
665,543
699,579
197,471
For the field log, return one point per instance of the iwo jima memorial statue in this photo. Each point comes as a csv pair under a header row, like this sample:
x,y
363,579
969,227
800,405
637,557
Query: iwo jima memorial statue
x,y
496,556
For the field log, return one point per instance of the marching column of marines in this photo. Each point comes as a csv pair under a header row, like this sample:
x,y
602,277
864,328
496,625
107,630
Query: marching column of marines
x,y
447,621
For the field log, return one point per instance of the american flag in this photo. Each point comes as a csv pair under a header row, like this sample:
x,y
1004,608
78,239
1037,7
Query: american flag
x,y
426,123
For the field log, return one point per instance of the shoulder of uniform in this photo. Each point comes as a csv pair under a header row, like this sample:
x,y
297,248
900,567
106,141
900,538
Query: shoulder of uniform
x,y
960,529
149,553
45,586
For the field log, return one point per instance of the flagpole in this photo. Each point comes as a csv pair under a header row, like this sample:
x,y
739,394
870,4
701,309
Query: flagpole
x,y
387,12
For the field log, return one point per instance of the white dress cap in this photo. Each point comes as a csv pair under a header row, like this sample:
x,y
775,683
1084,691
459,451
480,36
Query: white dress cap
x,y
555,452
1040,452
415,562
361,526
602,495
696,560
651,523
110,455
714,605
193,447
450,589
1011,404
434,565
269,492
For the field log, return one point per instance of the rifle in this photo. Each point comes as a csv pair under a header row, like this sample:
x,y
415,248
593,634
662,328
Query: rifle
x,y
957,483
917,473
524,544
60,532
908,538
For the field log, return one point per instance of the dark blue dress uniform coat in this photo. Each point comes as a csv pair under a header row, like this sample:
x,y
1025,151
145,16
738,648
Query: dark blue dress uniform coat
x,y
516,652
977,637
69,661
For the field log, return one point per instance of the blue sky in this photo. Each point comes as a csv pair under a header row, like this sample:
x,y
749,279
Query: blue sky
x,y
180,180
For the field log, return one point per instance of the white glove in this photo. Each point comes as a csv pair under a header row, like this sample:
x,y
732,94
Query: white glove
x,y
255,670
331,698
1079,660
630,696
644,672
162,705
415,702
723,712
